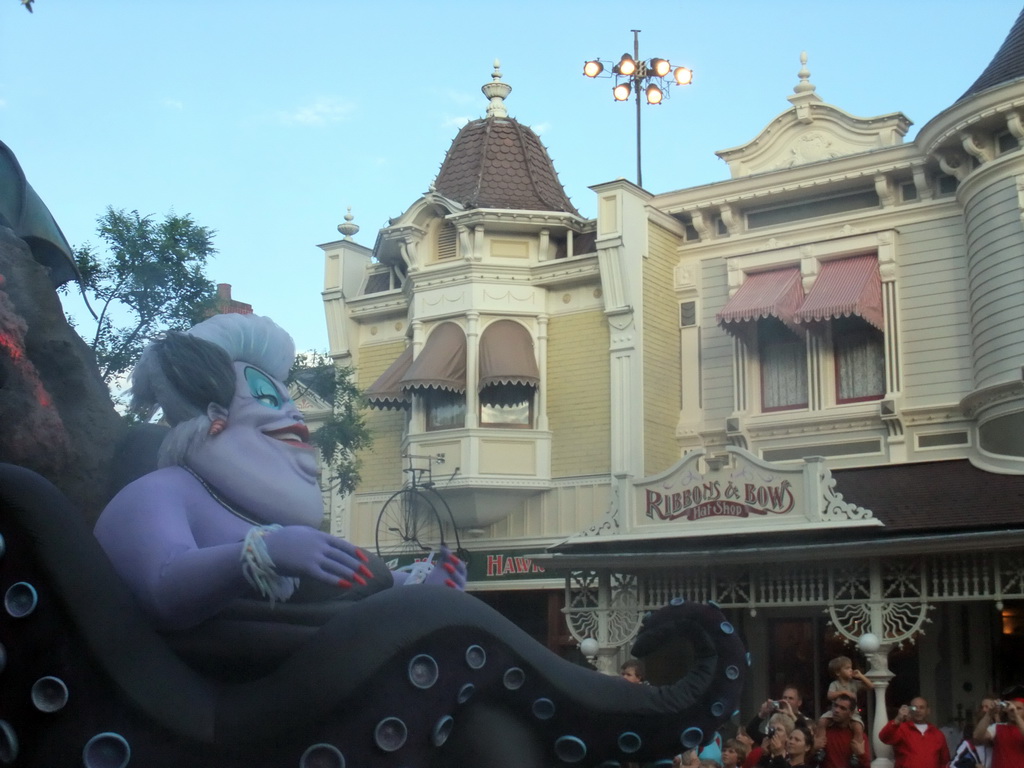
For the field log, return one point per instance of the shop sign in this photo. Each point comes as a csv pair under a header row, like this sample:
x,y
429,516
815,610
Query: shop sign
x,y
724,492
502,565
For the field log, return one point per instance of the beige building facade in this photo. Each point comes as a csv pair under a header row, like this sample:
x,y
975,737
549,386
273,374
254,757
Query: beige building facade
x,y
797,392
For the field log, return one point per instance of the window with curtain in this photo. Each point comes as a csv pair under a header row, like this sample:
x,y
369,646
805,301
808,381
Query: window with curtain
x,y
783,358
445,409
506,405
859,351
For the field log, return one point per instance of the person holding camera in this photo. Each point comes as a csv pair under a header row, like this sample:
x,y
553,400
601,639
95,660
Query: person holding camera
x,y
916,742
1007,739
790,703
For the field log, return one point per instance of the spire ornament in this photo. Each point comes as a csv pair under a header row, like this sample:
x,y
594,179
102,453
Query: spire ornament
x,y
347,228
496,91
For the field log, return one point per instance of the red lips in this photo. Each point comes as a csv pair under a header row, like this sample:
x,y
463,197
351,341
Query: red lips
x,y
299,430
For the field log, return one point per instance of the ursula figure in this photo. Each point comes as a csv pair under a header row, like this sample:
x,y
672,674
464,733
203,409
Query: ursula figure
x,y
247,637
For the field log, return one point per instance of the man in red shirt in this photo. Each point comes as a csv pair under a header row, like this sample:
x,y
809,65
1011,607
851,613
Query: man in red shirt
x,y
840,739
1007,739
916,742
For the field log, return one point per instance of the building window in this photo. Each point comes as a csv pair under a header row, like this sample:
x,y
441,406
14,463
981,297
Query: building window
x,y
507,405
445,409
783,358
860,360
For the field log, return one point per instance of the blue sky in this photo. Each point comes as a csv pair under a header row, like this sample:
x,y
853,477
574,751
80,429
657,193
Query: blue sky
x,y
266,120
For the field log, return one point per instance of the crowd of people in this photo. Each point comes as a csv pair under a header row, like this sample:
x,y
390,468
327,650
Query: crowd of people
x,y
783,735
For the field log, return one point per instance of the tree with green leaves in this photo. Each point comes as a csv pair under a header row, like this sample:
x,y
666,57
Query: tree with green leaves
x,y
345,430
151,278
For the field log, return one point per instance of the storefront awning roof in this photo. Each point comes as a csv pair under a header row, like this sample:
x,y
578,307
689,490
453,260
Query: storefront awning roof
x,y
386,392
506,355
441,364
768,552
845,287
777,294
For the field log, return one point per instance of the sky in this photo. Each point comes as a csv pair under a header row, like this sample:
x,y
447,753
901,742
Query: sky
x,y
266,121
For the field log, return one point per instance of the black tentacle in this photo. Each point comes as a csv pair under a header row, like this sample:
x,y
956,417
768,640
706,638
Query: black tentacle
x,y
413,676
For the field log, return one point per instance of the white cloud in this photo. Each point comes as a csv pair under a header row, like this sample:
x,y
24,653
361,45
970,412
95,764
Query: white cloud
x,y
173,104
541,128
328,109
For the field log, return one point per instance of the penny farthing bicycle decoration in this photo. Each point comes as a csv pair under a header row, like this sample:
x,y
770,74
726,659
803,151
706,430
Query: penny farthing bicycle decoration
x,y
416,522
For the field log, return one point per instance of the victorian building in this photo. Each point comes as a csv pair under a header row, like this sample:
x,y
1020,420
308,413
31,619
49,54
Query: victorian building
x,y
797,392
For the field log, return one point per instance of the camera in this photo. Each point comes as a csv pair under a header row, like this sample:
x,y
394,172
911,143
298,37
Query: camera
x,y
1002,704
776,704
913,708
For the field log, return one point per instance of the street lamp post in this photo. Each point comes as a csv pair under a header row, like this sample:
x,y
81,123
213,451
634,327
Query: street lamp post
x,y
633,75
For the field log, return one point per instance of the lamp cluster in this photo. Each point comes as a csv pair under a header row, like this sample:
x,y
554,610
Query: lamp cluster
x,y
651,77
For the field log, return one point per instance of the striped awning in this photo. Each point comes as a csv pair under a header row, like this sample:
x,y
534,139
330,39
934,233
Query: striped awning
x,y
386,392
441,364
506,355
845,287
778,293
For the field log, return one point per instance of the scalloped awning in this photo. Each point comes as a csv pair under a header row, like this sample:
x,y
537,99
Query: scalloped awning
x,y
506,355
386,392
778,293
844,287
441,364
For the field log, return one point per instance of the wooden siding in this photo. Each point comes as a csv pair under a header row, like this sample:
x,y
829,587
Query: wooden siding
x,y
717,345
662,372
931,284
995,242
381,468
560,512
579,412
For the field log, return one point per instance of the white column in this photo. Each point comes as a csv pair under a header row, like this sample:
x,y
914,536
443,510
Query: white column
x,y
879,674
472,370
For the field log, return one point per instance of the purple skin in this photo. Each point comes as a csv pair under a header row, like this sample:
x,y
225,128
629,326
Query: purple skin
x,y
179,549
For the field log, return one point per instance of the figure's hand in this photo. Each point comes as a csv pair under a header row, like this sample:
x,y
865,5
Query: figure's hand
x,y
903,714
298,550
448,571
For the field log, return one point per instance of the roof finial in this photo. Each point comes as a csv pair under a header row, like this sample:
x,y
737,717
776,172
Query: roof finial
x,y
348,228
805,85
496,91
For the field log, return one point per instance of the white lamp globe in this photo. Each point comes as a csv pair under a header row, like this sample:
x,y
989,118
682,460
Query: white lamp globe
x,y
869,642
589,647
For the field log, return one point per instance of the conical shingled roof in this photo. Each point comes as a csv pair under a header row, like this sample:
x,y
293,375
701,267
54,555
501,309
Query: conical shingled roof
x,y
1006,65
497,162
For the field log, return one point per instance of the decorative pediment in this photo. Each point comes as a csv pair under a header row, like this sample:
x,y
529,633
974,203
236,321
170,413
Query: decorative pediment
x,y
732,493
740,493
813,131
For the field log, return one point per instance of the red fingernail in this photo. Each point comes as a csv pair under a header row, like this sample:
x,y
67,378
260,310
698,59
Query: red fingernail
x,y
450,583
362,556
359,579
449,567
344,583
366,571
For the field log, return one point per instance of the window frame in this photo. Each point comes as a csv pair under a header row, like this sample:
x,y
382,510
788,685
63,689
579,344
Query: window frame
x,y
780,331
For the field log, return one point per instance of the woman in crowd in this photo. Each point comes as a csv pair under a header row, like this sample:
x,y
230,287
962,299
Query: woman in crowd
x,y
789,751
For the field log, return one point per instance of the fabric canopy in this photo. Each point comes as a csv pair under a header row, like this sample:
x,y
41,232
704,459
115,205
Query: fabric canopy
x,y
386,392
777,294
506,355
441,364
845,287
